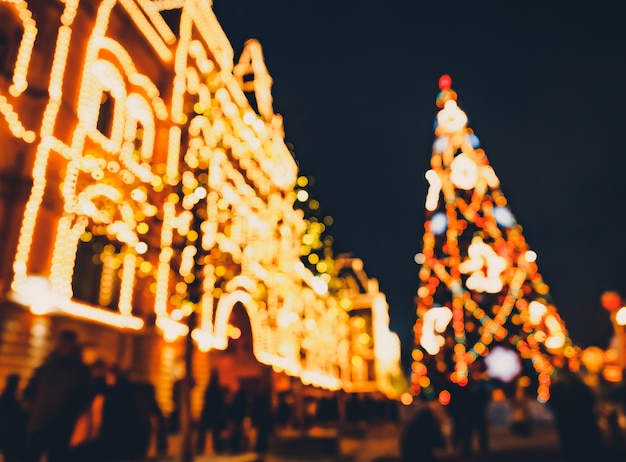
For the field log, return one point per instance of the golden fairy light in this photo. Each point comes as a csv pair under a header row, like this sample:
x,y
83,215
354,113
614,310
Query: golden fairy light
x,y
180,189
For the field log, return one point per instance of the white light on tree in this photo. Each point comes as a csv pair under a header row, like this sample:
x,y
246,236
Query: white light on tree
x,y
434,189
503,364
536,310
463,172
451,118
485,266
435,321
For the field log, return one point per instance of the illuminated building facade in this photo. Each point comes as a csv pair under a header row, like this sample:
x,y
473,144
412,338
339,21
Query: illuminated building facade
x,y
147,189
374,350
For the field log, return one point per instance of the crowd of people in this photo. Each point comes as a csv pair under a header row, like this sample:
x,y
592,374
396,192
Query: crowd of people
x,y
234,419
573,405
70,411
423,433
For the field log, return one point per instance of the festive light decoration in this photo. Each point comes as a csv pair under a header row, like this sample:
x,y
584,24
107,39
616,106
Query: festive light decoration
x,y
479,284
503,364
373,350
611,301
175,195
370,353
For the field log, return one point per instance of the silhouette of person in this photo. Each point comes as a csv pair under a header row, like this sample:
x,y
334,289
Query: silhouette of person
x,y
121,435
237,411
213,416
285,409
12,421
520,424
55,395
468,409
84,443
261,414
174,418
573,404
151,420
421,436
178,389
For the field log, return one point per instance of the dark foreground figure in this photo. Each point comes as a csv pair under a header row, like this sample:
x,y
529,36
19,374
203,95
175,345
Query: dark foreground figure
x,y
577,424
421,437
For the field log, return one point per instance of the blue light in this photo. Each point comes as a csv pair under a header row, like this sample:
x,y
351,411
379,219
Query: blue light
x,y
473,140
440,144
504,217
438,223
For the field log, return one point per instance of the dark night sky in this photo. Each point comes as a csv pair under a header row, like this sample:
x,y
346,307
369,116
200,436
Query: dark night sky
x,y
543,87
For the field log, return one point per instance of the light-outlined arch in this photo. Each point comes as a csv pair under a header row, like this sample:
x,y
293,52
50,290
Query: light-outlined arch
x,y
222,314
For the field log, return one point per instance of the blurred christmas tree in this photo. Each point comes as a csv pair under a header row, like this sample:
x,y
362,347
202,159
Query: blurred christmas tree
x,y
479,284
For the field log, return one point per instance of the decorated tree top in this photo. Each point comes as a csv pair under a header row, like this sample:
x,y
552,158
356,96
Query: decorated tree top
x,y
479,281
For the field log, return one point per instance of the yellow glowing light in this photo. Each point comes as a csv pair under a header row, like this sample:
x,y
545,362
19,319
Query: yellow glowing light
x,y
358,322
192,187
234,332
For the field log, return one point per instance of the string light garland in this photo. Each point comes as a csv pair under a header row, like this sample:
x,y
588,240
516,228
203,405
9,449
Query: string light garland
x,y
479,280
180,192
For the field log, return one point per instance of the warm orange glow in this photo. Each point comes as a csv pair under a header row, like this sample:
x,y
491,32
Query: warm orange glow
x,y
191,191
593,358
611,300
475,265
406,399
444,397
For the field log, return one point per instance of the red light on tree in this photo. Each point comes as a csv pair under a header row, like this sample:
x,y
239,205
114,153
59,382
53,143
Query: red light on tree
x,y
445,82
611,301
